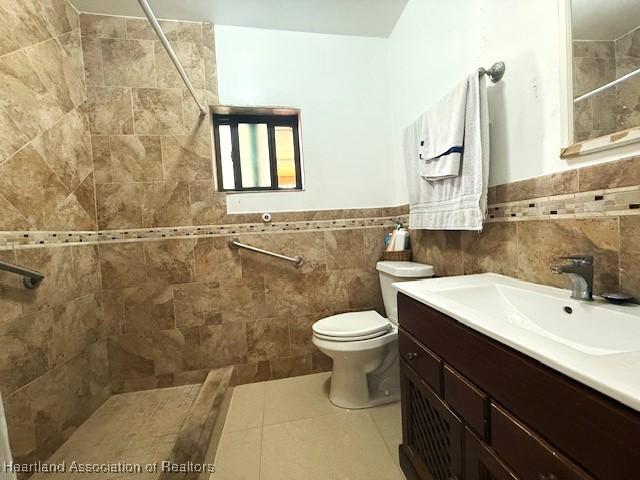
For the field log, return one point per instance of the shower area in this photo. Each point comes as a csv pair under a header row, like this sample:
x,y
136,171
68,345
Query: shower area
x,y
137,317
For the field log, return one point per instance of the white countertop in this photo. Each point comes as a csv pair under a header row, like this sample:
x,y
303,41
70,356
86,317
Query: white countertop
x,y
598,344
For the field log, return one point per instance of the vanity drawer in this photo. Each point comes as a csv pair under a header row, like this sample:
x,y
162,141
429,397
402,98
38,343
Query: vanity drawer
x,y
528,455
470,402
422,360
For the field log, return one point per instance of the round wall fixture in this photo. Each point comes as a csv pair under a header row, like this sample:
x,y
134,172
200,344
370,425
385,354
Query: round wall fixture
x,y
266,217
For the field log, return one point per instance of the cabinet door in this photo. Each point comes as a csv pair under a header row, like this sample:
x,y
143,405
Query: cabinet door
x,y
432,434
481,463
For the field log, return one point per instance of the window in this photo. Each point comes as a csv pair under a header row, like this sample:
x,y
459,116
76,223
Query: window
x,y
256,152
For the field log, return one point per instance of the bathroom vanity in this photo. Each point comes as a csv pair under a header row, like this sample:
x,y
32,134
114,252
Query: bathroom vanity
x,y
474,407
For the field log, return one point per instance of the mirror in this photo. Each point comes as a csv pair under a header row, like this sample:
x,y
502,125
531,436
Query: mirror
x,y
606,67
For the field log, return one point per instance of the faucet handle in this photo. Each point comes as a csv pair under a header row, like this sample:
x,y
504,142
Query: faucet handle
x,y
588,259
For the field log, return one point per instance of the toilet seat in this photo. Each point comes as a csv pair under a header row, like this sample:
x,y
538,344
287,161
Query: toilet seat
x,y
351,327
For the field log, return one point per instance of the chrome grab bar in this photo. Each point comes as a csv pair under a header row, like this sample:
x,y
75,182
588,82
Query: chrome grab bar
x,y
31,278
297,260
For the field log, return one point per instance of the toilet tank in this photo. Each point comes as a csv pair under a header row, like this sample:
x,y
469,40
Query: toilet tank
x,y
393,272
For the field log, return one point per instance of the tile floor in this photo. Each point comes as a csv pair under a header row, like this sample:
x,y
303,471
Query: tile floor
x,y
288,430
133,428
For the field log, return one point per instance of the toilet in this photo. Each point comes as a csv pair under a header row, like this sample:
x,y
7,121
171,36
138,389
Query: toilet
x,y
364,345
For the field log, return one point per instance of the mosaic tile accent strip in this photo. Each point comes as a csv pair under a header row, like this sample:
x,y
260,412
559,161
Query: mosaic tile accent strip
x,y
596,203
29,239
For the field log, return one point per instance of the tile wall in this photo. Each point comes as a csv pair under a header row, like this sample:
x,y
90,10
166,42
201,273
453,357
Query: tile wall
x,y
592,210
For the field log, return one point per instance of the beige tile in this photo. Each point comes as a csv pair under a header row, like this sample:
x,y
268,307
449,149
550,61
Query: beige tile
x,y
59,64
215,261
25,350
187,158
170,261
247,408
345,249
31,106
388,421
110,110
92,57
118,205
128,63
287,367
197,304
122,265
58,266
21,25
297,398
165,204
439,248
238,456
104,26
11,138
135,158
148,309
492,250
630,255
191,58
67,149
267,339
223,345
326,447
158,111
141,29
11,218
208,207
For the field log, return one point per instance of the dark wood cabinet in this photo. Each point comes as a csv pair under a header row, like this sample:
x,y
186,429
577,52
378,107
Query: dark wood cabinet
x,y
432,433
474,409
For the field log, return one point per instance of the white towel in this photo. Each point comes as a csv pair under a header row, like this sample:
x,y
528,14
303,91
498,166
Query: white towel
x,y
458,203
442,141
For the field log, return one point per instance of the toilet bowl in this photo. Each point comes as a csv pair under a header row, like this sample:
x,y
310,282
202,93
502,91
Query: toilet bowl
x,y
364,345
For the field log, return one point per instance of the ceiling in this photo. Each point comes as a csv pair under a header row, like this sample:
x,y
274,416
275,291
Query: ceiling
x,y
372,18
604,19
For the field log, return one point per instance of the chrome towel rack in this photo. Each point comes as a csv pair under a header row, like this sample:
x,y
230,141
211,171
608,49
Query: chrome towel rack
x,y
297,260
496,72
31,278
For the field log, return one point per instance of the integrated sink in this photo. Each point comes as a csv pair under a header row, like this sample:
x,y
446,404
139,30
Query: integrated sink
x,y
595,342
502,303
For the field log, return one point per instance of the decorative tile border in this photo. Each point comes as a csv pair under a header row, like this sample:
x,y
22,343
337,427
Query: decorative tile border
x,y
595,203
29,239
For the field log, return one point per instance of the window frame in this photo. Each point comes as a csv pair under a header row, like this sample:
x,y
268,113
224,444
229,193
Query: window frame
x,y
272,118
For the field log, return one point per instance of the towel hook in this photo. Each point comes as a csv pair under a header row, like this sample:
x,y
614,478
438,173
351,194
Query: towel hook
x,y
496,72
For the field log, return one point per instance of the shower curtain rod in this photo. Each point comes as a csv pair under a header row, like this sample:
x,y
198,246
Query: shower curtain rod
x,y
172,55
608,86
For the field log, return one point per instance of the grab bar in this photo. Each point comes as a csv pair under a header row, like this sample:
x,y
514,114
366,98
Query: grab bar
x,y
297,260
31,278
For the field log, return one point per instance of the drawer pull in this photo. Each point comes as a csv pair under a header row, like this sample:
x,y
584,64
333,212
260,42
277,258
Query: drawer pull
x,y
412,355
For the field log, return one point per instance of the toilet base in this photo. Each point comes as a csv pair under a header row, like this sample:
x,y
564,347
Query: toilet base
x,y
353,388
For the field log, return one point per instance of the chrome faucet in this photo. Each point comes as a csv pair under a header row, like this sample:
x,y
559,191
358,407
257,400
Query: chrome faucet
x,y
580,271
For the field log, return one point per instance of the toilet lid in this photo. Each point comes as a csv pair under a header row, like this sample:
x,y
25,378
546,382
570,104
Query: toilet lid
x,y
352,324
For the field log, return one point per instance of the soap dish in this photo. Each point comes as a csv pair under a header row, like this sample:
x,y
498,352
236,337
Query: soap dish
x,y
617,298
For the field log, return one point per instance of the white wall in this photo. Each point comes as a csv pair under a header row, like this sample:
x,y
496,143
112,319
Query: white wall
x,y
435,44
340,84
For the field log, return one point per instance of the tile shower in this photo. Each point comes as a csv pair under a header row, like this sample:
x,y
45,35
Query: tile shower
x,y
118,164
